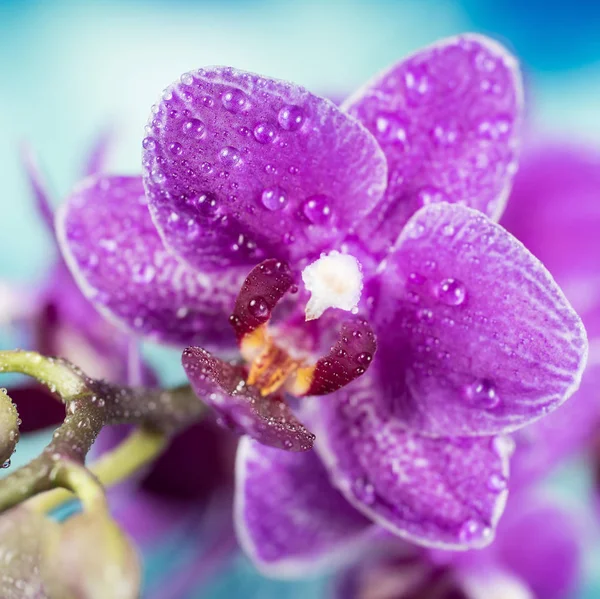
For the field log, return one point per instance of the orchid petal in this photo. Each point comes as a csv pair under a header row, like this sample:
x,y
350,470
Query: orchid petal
x,y
437,492
117,258
289,518
240,406
239,168
554,211
474,336
448,120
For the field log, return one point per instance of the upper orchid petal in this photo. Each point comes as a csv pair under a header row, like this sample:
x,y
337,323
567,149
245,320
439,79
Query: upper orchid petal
x,y
289,518
239,168
448,120
440,492
555,211
241,406
474,336
119,261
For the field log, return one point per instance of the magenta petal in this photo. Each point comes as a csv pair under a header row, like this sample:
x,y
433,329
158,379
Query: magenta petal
x,y
554,210
474,336
438,492
241,407
119,261
289,518
448,120
240,168
547,442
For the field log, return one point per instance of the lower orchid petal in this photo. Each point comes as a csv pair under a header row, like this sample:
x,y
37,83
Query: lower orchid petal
x,y
121,265
240,406
437,492
474,336
289,518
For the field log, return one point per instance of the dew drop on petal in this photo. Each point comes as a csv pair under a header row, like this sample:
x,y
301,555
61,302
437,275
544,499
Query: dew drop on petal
x,y
273,198
473,530
497,482
391,129
291,117
451,292
363,490
431,195
482,393
317,209
149,143
194,128
258,307
264,133
230,156
175,148
234,100
205,203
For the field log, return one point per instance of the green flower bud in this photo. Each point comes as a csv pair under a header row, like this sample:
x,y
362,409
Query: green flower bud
x,y
90,558
22,535
9,427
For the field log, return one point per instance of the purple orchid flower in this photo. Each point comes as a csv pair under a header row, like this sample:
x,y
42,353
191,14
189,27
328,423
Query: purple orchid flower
x,y
385,206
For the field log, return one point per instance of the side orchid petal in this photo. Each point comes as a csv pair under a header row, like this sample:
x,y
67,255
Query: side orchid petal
x,y
437,492
120,263
240,168
289,518
240,406
474,336
448,120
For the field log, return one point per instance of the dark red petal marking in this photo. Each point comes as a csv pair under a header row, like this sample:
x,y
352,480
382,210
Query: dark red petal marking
x,y
240,406
263,288
348,359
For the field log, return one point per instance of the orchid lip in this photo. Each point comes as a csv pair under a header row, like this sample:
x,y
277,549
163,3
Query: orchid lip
x,y
271,365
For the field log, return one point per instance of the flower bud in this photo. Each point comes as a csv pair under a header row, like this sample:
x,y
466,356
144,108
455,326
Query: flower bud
x,y
90,558
22,534
9,427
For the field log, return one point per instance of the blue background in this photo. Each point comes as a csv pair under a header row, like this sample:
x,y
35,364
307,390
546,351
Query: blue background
x,y
70,69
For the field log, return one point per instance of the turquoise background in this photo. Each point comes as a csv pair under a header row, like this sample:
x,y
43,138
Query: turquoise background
x,y
70,69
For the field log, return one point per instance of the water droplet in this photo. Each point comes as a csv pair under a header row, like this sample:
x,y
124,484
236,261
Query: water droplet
x,y
187,79
149,143
194,128
175,148
431,195
6,464
425,315
317,209
482,393
259,308
230,156
234,100
264,133
444,135
273,198
143,273
451,292
158,176
391,129
364,358
291,117
363,490
206,204
416,278
497,482
474,530
417,85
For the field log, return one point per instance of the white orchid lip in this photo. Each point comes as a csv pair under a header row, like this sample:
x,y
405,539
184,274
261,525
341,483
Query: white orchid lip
x,y
335,280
